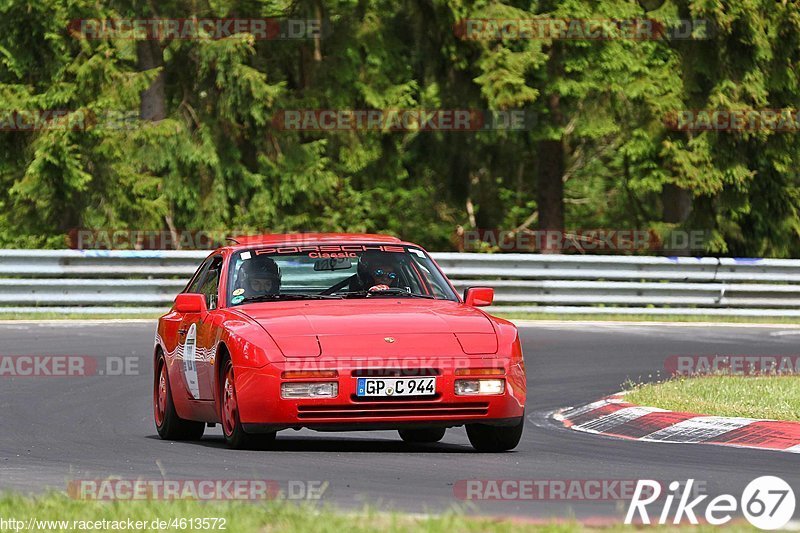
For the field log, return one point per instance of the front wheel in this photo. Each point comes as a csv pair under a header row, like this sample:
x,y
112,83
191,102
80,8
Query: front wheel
x,y
422,435
232,429
168,424
485,438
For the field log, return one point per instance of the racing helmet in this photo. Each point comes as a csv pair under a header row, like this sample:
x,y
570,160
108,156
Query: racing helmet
x,y
371,266
262,276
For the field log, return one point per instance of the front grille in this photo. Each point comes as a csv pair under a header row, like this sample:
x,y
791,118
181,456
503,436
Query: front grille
x,y
392,410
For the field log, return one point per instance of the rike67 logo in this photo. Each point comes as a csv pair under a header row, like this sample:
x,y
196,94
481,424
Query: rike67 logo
x,y
768,502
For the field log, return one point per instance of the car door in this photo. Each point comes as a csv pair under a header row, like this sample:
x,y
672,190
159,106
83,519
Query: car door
x,y
199,336
173,333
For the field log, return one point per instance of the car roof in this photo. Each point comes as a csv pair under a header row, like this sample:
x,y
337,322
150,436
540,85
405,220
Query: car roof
x,y
273,239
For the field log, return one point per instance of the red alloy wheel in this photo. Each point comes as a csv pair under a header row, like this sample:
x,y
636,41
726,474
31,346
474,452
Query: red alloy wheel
x,y
229,406
160,395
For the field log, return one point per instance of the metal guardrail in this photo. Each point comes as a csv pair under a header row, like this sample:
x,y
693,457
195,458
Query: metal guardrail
x,y
139,282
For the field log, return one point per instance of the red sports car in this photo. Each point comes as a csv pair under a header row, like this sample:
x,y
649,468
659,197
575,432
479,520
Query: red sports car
x,y
335,332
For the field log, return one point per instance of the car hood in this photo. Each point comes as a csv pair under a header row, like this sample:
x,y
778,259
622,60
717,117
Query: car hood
x,y
365,328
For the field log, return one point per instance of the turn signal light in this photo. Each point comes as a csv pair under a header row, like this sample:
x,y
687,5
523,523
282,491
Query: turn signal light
x,y
328,389
480,372
471,387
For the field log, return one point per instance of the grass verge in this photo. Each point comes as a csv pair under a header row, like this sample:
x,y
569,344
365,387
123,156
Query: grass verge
x,y
649,318
77,316
773,397
271,516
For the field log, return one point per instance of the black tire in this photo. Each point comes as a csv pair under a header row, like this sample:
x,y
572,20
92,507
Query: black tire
x,y
486,438
232,430
168,424
422,435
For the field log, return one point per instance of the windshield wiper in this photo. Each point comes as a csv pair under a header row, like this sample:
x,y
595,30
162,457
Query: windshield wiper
x,y
286,297
394,291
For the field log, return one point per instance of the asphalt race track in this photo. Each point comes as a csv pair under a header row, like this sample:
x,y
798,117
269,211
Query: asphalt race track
x,y
59,428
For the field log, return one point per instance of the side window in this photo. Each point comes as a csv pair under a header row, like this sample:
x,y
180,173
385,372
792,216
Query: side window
x,y
235,276
411,279
437,289
194,284
210,284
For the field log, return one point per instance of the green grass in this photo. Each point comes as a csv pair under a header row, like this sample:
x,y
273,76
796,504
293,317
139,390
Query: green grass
x,y
650,318
77,316
283,517
774,397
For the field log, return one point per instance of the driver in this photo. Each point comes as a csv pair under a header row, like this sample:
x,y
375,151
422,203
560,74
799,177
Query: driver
x,y
378,269
262,276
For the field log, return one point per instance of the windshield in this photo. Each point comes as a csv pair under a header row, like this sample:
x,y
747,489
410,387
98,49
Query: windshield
x,y
334,271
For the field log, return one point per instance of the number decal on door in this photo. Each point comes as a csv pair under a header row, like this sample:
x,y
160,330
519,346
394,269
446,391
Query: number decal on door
x,y
190,361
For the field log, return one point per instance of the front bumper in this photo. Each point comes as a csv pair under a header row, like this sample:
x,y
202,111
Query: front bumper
x,y
261,408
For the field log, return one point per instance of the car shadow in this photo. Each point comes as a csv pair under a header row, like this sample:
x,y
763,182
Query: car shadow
x,y
288,443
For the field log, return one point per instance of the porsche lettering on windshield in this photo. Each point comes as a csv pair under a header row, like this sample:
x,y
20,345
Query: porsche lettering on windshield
x,y
338,271
331,248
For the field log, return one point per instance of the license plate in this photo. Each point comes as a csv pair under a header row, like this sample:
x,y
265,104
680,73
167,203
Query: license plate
x,y
396,386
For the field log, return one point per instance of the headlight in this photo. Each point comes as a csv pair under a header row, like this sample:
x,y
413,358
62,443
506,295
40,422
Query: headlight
x,y
468,387
327,389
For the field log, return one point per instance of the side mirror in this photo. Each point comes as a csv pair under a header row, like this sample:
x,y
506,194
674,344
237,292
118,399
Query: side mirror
x,y
190,303
479,296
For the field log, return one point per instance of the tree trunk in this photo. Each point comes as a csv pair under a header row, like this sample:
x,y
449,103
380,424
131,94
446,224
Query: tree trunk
x,y
550,192
677,204
550,176
153,104
318,38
